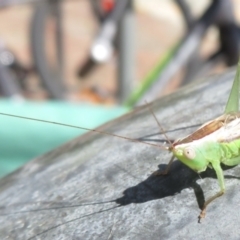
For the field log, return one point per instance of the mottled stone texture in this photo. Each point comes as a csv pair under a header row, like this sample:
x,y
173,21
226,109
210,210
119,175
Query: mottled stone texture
x,y
99,187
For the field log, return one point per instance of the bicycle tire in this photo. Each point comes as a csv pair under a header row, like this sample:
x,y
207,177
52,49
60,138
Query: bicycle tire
x,y
51,77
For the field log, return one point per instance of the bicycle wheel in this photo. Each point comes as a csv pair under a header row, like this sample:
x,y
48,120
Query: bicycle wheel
x,y
49,64
51,68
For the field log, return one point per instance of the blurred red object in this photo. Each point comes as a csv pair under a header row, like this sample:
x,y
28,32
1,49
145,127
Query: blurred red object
x,y
107,5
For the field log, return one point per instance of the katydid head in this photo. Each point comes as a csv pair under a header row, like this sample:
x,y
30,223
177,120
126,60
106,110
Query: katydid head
x,y
190,155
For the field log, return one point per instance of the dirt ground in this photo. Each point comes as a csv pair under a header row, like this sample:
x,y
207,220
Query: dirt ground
x,y
158,27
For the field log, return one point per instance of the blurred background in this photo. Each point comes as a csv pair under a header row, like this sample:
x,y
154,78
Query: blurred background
x,y
84,62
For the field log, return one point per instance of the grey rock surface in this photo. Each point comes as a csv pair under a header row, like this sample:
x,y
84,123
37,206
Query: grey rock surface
x,y
100,187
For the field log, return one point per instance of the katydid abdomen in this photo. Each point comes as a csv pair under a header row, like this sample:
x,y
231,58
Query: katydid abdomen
x,y
230,153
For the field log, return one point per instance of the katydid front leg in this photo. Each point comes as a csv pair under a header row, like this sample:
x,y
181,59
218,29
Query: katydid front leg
x,y
219,172
216,166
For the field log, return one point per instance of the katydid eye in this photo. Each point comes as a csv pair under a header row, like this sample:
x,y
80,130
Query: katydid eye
x,y
189,153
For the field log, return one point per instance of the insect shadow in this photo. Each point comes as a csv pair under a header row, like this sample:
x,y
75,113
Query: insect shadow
x,y
157,187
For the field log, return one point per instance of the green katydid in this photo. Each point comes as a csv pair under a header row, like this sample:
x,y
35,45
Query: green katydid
x,y
213,143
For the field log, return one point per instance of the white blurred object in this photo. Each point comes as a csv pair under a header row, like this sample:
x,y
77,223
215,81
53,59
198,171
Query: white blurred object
x,y
102,48
101,51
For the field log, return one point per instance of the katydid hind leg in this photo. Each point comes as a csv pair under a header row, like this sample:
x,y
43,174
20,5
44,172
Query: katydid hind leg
x,y
164,172
220,177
